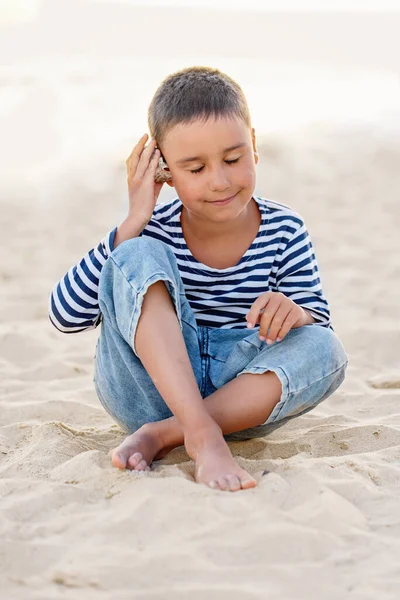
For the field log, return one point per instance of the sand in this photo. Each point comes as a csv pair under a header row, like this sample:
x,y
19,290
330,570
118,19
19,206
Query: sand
x,y
324,519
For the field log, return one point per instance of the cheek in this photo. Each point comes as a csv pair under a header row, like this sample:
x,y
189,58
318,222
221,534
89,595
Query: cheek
x,y
186,185
248,175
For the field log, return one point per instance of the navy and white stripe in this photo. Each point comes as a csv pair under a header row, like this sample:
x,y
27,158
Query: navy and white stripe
x,y
281,259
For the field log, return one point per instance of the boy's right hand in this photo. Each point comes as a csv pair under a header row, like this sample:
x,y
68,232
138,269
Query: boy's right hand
x,y
143,191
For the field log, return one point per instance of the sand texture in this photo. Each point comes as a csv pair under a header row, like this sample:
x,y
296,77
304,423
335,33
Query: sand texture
x,y
323,521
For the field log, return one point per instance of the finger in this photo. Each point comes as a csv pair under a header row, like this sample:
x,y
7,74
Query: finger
x,y
145,158
286,326
133,158
156,153
277,322
153,164
267,316
259,304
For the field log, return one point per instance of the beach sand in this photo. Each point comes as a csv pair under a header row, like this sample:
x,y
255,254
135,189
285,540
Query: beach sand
x,y
323,521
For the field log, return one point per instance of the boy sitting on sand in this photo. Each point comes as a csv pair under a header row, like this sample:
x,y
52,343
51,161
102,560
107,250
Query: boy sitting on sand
x,y
214,323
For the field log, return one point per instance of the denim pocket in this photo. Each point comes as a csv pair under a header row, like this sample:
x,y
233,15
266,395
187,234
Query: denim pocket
x,y
228,361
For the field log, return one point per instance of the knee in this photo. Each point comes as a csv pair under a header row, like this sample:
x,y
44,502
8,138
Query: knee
x,y
132,268
321,346
136,261
311,352
143,248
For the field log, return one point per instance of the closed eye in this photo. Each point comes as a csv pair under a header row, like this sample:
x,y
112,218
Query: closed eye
x,y
230,162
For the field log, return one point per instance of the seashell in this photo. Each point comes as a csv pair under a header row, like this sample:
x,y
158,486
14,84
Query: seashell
x,y
162,175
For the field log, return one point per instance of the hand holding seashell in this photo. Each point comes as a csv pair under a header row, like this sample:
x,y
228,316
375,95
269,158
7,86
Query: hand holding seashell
x,y
142,166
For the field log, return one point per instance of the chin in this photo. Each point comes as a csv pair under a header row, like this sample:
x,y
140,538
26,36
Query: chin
x,y
225,213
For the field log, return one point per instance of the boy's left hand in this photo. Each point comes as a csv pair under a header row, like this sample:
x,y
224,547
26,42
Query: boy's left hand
x,y
280,315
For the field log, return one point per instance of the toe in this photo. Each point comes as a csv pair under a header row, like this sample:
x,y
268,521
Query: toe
x,y
223,484
118,460
234,482
141,466
247,482
135,459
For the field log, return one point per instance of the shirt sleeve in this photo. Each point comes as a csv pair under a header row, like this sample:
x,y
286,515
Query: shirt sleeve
x,y
298,276
73,302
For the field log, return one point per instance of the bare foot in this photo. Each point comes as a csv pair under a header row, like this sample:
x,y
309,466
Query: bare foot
x,y
139,449
216,467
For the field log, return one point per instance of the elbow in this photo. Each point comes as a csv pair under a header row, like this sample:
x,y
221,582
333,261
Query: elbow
x,y
72,328
60,327
67,320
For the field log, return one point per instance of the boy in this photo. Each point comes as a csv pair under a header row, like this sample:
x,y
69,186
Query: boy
x,y
180,286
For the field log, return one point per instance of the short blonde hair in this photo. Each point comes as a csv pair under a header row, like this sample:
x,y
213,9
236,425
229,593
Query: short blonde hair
x,y
195,94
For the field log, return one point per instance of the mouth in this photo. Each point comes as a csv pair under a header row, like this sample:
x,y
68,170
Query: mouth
x,y
224,201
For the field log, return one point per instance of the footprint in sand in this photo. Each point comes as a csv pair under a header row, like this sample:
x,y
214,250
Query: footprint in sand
x,y
389,381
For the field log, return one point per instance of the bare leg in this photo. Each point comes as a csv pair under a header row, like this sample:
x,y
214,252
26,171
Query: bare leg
x,y
195,423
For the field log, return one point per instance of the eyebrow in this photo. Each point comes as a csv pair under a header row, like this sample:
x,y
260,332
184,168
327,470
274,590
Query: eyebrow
x,y
192,158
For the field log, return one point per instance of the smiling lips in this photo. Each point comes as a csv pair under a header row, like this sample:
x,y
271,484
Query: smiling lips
x,y
225,201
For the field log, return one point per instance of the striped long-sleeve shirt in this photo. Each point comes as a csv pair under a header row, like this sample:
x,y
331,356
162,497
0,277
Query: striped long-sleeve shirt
x,y
280,259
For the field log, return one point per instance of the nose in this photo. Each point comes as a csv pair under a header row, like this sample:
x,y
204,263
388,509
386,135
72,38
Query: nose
x,y
219,181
